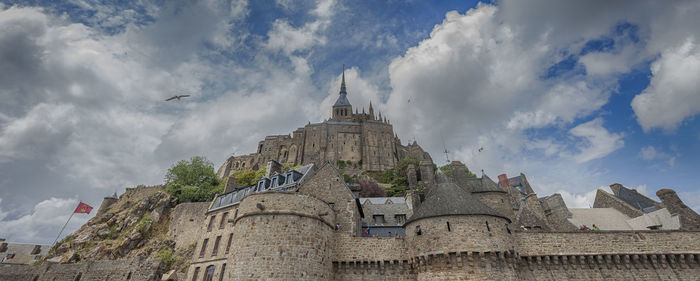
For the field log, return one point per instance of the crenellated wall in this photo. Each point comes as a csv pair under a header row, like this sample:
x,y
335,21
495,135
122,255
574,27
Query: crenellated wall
x,y
607,242
609,255
136,269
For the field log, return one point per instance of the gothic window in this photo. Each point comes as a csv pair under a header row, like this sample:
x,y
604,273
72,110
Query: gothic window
x,y
223,269
209,273
222,224
228,244
204,248
211,223
195,274
216,246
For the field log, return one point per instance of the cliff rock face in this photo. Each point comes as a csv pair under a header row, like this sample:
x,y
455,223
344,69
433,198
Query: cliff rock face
x,y
135,225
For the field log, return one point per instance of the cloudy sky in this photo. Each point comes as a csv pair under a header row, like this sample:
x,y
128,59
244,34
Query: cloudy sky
x,y
576,94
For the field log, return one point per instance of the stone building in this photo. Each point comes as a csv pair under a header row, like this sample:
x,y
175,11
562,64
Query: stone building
x,y
363,140
306,224
21,253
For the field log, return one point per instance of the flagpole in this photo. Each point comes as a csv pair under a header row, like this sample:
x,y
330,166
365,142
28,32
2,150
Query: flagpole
x,y
62,228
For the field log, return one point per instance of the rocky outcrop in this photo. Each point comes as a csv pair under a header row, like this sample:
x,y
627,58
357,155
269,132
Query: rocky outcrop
x,y
135,225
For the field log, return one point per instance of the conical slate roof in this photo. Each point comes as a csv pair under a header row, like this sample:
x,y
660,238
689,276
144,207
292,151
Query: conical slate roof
x,y
343,98
449,199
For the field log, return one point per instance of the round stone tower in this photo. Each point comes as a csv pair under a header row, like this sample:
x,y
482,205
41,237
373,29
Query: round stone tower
x,y
453,235
282,236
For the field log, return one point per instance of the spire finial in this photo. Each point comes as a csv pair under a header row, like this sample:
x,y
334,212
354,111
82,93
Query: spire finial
x,y
342,84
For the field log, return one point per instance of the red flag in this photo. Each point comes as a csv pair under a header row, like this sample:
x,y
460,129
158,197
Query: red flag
x,y
83,209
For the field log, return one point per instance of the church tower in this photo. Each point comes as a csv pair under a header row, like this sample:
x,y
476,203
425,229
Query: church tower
x,y
342,110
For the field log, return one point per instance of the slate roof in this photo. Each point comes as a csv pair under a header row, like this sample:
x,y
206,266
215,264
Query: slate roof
x,y
484,184
383,200
235,196
342,100
634,198
449,199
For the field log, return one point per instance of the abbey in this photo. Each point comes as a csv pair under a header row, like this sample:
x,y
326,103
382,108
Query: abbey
x,y
364,140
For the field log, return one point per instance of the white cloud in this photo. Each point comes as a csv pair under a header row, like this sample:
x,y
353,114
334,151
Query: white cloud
x,y
44,221
288,39
597,143
673,94
650,153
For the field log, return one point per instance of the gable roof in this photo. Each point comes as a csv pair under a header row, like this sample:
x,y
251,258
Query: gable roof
x,y
449,199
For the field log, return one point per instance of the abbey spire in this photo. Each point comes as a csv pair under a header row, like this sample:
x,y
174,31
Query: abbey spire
x,y
342,108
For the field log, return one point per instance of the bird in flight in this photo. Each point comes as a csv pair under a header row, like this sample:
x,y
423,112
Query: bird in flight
x,y
177,97
481,149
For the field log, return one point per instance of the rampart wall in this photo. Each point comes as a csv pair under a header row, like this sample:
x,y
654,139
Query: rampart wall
x,y
282,236
186,223
607,242
135,269
610,255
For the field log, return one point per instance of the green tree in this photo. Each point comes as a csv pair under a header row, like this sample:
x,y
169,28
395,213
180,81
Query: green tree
x,y
192,180
447,170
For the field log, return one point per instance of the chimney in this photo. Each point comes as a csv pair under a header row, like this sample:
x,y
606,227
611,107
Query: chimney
x,y
459,172
413,187
231,184
272,168
427,175
503,180
690,220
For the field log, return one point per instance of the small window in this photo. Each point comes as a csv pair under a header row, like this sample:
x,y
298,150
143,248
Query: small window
x,y
195,274
216,246
400,218
488,227
418,231
204,247
209,273
211,223
448,227
228,244
378,218
222,224
223,270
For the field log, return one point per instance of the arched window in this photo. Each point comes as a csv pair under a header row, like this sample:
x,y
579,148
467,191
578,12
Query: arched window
x,y
209,273
223,270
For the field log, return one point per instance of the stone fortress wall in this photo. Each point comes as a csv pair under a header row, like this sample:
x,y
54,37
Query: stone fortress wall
x,y
294,230
186,221
136,269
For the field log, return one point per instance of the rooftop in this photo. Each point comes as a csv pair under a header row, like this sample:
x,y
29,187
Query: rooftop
x,y
449,199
